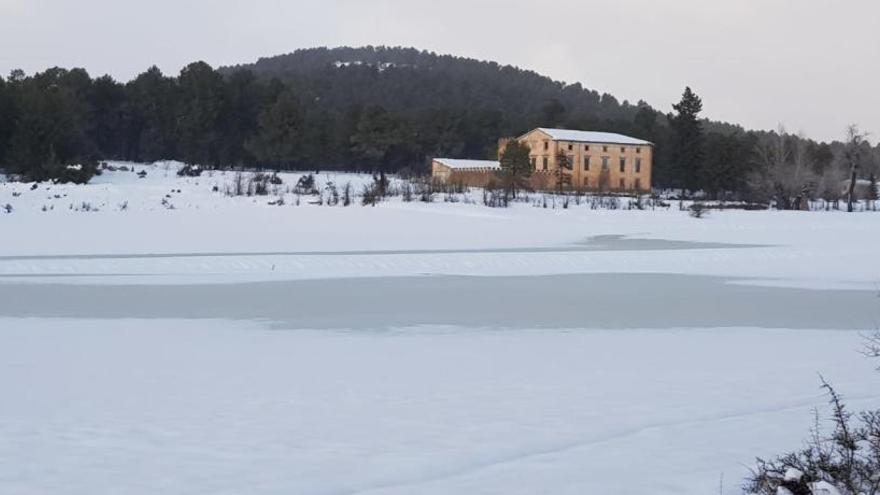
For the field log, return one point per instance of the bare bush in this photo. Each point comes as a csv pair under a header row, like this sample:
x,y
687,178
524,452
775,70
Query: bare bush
x,y
306,185
332,194
346,194
845,461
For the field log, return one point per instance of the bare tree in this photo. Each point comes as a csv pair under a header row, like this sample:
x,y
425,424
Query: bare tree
x,y
784,169
803,180
562,172
852,155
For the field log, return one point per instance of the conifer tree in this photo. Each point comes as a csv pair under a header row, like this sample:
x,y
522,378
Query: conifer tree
x,y
516,167
278,140
688,152
201,109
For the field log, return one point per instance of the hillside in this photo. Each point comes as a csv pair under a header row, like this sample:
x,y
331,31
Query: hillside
x,y
406,79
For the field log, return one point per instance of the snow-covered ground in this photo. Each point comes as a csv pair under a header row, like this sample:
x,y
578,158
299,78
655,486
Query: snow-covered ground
x,y
227,345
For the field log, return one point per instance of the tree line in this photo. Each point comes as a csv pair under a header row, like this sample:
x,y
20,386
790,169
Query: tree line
x,y
359,109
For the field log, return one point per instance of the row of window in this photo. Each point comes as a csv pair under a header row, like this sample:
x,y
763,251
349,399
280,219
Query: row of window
x,y
587,148
621,185
637,166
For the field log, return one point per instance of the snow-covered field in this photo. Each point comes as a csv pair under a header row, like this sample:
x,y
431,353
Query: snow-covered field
x,y
227,345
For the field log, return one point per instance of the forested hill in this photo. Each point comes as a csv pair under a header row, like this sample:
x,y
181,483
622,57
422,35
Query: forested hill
x,y
409,80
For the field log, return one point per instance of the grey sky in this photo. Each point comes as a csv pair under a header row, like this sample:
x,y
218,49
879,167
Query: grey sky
x,y
813,65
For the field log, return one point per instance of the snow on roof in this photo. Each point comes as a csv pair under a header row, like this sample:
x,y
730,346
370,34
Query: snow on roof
x,y
459,164
590,136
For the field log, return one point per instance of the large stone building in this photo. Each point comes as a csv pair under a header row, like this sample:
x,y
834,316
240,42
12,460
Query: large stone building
x,y
599,161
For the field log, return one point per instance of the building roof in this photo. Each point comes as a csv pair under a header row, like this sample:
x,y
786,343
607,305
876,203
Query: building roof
x,y
590,136
459,164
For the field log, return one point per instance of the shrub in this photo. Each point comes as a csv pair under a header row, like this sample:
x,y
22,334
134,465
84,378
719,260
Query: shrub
x,y
189,171
306,185
370,196
259,184
79,173
698,210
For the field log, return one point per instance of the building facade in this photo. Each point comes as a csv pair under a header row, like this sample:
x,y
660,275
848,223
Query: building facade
x,y
599,161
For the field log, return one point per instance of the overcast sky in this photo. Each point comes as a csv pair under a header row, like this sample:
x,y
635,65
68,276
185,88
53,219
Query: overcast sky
x,y
813,65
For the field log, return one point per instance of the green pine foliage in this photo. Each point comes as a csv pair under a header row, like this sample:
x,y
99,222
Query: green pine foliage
x,y
516,168
688,143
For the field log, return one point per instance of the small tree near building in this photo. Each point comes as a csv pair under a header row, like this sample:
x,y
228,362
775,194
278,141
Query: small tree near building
x,y
516,168
563,171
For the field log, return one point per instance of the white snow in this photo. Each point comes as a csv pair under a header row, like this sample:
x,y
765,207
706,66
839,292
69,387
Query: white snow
x,y
165,406
591,137
327,388
792,474
461,164
824,488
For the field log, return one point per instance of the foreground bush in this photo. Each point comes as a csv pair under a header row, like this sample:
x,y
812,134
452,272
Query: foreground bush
x,y
844,461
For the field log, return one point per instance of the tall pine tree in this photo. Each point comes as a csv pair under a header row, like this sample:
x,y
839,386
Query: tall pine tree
x,y
202,106
279,139
688,151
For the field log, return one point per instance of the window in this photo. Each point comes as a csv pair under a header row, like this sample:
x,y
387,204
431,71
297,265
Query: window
x,y
570,147
586,147
622,165
534,162
638,185
622,185
605,148
638,150
571,162
604,163
546,145
545,163
638,165
622,149
587,163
